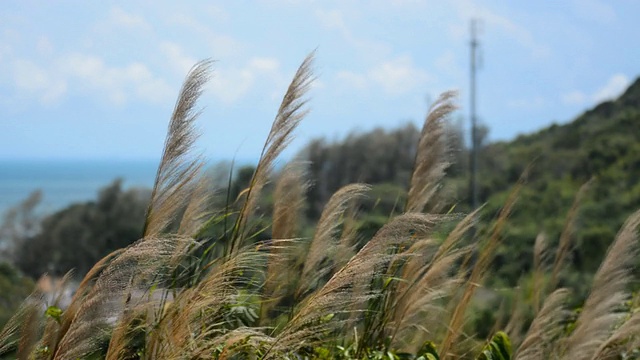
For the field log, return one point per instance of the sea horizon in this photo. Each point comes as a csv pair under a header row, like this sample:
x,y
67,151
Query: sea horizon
x,y
67,181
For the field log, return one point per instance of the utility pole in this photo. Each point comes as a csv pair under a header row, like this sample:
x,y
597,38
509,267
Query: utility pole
x,y
473,183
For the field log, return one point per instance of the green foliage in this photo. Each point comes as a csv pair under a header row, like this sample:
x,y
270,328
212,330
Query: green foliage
x,y
14,288
499,348
78,236
428,352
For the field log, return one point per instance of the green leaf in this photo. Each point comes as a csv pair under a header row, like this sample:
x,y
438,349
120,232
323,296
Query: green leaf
x,y
499,348
428,351
54,312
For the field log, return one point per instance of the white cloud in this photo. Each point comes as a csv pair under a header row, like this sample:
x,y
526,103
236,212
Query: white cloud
x,y
468,9
613,88
231,84
44,46
264,64
119,17
574,98
34,80
399,75
332,19
335,20
176,56
224,46
352,79
228,84
118,84
395,76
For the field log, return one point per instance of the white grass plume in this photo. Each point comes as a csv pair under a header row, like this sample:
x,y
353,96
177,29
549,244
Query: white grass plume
x,y
197,210
545,328
601,310
566,237
428,278
17,333
540,255
431,157
289,199
486,255
337,297
325,240
292,110
178,170
624,338
183,326
134,272
281,274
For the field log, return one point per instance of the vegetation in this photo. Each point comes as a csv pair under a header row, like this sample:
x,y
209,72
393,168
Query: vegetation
x,y
76,237
226,283
14,287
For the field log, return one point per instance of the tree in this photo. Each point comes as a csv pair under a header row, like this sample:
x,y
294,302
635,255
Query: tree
x,y
81,234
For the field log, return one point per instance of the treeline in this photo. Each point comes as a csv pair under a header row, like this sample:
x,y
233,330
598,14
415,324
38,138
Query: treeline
x,y
376,157
76,237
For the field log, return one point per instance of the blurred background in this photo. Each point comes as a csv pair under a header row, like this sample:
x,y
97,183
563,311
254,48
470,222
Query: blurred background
x,y
87,89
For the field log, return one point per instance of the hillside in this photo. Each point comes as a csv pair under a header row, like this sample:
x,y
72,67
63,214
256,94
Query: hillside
x,y
603,144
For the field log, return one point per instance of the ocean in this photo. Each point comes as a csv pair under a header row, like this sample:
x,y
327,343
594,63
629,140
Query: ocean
x,y
64,182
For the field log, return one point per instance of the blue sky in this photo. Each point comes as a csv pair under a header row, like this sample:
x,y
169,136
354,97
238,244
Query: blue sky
x,y
86,80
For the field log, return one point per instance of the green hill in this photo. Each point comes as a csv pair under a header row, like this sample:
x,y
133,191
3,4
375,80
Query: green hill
x,y
603,144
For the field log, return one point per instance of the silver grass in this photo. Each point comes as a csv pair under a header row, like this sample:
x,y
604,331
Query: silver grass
x,y
21,326
626,338
601,311
292,110
196,212
183,327
539,263
486,255
178,170
237,342
431,157
289,195
433,283
566,237
289,199
347,243
545,328
325,241
125,279
83,290
51,331
336,296
420,292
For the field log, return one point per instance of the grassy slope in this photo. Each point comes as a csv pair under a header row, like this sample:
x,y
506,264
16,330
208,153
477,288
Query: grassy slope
x,y
603,143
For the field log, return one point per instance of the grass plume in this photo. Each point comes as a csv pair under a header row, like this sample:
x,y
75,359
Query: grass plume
x,y
325,240
292,110
431,157
178,170
601,310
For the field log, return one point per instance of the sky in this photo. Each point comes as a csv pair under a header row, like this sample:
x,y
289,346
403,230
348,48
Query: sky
x,y
98,80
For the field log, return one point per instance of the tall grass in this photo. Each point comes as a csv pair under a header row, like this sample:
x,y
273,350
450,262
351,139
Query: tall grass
x,y
179,293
